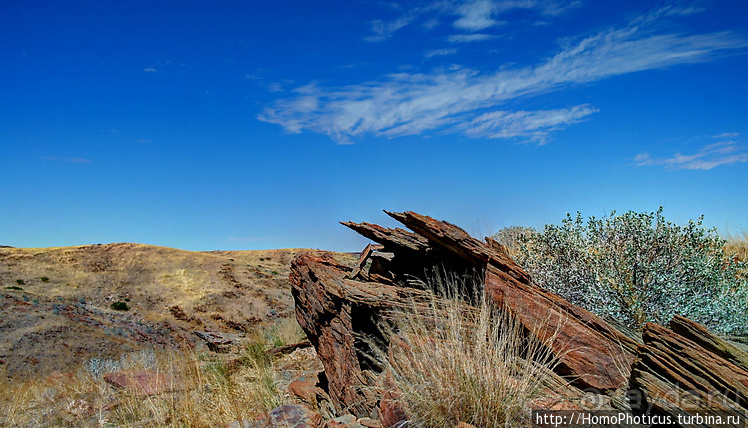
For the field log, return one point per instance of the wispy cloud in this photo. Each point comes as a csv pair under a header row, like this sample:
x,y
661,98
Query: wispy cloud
x,y
440,52
466,38
465,15
533,125
727,135
477,15
64,159
707,157
150,70
383,30
444,100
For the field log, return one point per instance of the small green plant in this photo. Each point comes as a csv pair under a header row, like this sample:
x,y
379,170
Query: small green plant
x,y
13,287
120,306
20,282
254,352
638,267
44,279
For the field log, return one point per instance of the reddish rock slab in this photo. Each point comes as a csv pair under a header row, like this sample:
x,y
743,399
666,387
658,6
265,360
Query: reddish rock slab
x,y
306,390
285,416
334,311
142,382
676,375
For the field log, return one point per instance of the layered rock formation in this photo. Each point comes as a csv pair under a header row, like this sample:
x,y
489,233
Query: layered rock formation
x,y
338,306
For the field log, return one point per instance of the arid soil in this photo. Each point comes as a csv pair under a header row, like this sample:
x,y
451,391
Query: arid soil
x,y
56,303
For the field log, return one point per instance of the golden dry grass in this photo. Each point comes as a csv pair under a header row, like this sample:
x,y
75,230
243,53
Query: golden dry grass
x,y
204,389
451,365
737,245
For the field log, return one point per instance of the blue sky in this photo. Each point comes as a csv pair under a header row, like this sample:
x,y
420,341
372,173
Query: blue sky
x,y
249,125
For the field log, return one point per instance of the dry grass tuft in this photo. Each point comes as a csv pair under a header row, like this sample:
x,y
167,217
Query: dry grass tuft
x,y
451,364
201,391
737,245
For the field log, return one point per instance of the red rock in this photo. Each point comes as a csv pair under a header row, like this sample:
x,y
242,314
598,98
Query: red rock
x,y
305,389
391,414
143,382
57,377
335,310
370,423
344,421
287,415
675,372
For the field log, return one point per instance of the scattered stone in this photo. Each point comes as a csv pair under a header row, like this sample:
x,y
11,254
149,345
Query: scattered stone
x,y
285,416
305,389
391,413
58,377
78,408
370,423
142,382
345,421
218,342
287,349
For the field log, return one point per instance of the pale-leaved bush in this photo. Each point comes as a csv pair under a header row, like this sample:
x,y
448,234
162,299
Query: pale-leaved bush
x,y
637,267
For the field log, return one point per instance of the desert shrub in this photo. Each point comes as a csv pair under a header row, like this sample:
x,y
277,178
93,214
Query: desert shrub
x,y
452,362
511,238
13,287
638,267
20,282
44,279
119,306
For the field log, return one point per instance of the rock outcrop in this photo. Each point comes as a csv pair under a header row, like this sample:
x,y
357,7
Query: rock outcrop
x,y
685,369
338,306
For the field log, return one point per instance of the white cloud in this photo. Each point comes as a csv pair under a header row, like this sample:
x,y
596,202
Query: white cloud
x,y
534,125
150,70
275,87
476,15
707,157
466,38
727,135
383,30
440,52
445,100
466,15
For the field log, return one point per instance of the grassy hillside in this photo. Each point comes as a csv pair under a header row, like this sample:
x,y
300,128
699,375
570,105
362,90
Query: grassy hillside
x,y
57,304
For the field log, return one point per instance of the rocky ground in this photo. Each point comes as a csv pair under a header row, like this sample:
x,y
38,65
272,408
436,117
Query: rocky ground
x,y
56,304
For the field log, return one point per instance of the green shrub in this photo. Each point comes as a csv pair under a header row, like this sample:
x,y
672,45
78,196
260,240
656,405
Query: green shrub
x,y
44,279
20,282
13,287
638,267
120,306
